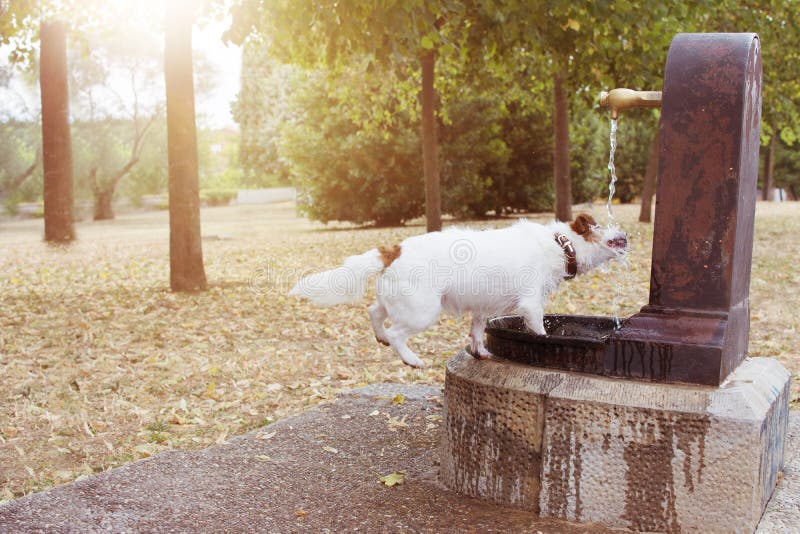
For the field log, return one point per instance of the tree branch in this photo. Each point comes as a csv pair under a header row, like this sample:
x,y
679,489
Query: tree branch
x,y
135,152
19,179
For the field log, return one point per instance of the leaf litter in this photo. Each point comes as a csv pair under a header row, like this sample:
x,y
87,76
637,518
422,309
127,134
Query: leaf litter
x,y
102,365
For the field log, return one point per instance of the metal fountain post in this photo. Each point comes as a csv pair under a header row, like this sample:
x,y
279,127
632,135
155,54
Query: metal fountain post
x,y
696,325
585,423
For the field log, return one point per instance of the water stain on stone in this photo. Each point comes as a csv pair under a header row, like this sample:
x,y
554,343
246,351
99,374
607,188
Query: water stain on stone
x,y
650,493
564,462
490,449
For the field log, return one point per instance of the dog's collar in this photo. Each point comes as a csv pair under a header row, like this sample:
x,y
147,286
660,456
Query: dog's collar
x,y
569,251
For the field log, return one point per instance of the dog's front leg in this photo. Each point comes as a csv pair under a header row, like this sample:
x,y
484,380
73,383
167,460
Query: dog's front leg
x,y
477,348
532,309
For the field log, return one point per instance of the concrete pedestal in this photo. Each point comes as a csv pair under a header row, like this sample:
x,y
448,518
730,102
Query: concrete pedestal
x,y
622,453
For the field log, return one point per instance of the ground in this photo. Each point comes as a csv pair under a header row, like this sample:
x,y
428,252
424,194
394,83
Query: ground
x,y
101,364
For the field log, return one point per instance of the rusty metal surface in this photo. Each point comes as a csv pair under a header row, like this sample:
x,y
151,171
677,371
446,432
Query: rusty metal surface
x,y
708,172
695,328
705,207
574,343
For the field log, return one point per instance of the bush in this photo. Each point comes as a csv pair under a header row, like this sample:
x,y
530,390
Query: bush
x,y
217,197
474,155
349,172
353,148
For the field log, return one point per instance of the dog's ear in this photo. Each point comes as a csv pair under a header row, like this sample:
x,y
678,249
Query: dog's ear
x,y
583,224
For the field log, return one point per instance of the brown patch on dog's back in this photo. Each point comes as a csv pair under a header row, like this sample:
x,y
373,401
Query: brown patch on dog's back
x,y
583,225
389,254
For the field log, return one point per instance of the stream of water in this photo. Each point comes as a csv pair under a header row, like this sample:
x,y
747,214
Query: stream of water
x,y
612,186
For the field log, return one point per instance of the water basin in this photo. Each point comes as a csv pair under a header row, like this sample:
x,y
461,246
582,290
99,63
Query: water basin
x,y
573,342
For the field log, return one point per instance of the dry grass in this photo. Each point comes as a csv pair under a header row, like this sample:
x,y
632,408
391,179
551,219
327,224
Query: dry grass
x,y
101,365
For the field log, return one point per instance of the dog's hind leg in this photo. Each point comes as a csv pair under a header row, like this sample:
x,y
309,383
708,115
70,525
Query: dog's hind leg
x,y
477,348
398,337
409,317
377,314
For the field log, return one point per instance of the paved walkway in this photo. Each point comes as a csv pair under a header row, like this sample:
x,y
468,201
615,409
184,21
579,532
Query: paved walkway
x,y
317,472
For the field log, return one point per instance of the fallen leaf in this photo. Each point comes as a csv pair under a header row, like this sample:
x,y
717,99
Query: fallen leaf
x,y
300,513
398,399
393,479
394,423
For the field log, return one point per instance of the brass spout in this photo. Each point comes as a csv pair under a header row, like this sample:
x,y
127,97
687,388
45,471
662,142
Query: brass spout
x,y
618,99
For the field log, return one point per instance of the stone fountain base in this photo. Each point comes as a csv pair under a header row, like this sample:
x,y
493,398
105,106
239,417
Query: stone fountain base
x,y
638,455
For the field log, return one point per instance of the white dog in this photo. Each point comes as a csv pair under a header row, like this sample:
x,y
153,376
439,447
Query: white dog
x,y
459,270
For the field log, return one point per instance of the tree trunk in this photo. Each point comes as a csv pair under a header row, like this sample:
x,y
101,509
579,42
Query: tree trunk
x,y
650,176
433,199
561,150
103,207
56,141
769,172
185,249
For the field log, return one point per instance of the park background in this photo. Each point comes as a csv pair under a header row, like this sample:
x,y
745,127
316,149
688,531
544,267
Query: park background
x,y
102,364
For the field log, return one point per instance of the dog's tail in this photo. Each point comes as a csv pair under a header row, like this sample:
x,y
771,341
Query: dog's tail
x,y
343,285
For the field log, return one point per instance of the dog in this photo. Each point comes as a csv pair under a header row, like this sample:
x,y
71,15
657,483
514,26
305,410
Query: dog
x,y
458,270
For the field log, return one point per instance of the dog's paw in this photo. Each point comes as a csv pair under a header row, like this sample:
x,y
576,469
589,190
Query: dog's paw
x,y
414,362
536,328
480,354
382,341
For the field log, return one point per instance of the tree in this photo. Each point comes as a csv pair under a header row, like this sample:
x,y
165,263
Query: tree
x,y
588,45
56,140
103,191
186,253
563,185
430,148
777,24
114,125
315,32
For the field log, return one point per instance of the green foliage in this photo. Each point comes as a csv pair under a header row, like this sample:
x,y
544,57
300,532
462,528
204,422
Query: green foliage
x,y
590,151
346,172
19,142
261,109
787,168
101,145
217,197
777,23
634,135
218,154
150,175
473,155
495,153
